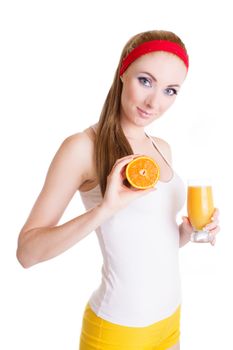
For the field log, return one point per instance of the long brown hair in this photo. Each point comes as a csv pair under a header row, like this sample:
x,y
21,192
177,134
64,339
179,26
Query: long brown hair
x,y
111,143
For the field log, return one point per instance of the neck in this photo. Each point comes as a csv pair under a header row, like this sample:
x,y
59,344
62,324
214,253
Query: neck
x,y
133,132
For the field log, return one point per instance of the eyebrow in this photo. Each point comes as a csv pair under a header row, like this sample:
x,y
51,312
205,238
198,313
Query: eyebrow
x,y
156,79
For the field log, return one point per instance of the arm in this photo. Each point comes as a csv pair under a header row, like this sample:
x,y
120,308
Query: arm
x,y
43,243
40,239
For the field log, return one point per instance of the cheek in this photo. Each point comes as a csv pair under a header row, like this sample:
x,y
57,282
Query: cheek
x,y
130,93
167,102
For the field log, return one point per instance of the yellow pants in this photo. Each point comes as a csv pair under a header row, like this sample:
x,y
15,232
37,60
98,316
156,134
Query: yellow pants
x,y
100,334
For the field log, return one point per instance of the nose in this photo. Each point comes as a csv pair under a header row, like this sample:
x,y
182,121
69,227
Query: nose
x,y
152,100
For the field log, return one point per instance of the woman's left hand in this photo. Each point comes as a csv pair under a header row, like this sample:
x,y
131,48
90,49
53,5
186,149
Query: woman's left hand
x,y
213,227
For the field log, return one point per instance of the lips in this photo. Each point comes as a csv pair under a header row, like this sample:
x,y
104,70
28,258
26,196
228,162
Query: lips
x,y
143,113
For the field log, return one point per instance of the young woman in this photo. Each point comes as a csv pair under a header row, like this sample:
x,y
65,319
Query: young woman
x,y
137,305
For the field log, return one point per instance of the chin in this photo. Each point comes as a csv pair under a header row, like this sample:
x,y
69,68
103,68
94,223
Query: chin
x,y
142,122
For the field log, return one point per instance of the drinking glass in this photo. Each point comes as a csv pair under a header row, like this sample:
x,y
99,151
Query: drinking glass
x,y
200,207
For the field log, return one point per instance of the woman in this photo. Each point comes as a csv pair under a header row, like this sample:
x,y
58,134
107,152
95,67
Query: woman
x,y
137,305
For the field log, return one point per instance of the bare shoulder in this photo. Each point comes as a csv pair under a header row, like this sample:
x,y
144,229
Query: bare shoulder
x,y
164,147
80,141
77,150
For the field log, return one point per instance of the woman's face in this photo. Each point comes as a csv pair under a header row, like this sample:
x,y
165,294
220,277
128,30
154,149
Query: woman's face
x,y
150,86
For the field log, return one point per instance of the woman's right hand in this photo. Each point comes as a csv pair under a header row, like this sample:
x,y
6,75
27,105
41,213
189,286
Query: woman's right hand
x,y
118,195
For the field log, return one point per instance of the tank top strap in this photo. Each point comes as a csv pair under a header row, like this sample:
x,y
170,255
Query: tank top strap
x,y
159,150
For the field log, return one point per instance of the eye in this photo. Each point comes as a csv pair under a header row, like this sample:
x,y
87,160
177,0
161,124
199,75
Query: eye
x,y
171,92
145,81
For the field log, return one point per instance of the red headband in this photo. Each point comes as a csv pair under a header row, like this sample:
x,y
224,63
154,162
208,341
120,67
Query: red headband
x,y
154,45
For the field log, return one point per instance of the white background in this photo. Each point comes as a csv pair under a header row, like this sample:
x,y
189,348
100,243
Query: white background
x,y
57,63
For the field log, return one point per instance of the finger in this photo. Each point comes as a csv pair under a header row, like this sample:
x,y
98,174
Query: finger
x,y
128,156
213,241
186,220
212,236
120,163
211,226
215,230
215,214
123,159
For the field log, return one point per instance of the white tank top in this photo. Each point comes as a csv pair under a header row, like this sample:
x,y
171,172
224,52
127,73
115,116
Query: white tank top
x,y
140,247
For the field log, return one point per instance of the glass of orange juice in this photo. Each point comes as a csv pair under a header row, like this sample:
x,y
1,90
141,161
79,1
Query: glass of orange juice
x,y
200,207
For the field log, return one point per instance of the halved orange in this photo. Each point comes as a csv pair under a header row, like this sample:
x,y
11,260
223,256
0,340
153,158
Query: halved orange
x,y
142,172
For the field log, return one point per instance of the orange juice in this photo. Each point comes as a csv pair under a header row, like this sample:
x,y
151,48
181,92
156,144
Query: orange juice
x,y
200,206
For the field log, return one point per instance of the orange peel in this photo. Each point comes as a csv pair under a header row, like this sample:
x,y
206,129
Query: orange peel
x,y
142,172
